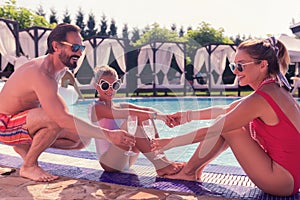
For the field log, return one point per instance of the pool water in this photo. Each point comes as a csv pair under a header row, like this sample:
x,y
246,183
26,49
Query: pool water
x,y
170,105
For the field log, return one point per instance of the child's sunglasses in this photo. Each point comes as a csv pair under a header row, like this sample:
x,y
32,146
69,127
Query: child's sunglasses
x,y
104,85
239,66
74,47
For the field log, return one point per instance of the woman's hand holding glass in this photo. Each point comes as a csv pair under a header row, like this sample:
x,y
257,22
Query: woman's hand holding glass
x,y
132,123
149,129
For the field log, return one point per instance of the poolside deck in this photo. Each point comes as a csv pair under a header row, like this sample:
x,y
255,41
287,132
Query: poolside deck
x,y
17,188
82,178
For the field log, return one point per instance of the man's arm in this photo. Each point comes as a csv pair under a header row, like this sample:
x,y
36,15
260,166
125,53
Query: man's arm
x,y
56,109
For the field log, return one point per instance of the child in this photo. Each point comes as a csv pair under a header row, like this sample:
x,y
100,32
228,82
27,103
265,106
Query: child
x,y
107,114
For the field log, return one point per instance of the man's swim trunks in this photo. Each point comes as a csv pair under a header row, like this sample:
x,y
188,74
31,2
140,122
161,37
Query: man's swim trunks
x,y
12,129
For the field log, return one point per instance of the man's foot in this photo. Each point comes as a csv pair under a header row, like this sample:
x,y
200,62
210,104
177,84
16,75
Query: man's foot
x,y
172,168
36,173
182,176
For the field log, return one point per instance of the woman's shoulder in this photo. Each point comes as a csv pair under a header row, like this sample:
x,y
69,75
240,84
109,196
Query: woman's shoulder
x,y
252,100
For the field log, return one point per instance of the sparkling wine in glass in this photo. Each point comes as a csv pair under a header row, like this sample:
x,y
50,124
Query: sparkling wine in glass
x,y
149,129
132,123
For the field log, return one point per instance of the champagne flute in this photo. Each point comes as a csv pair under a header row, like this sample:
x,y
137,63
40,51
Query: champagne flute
x,y
132,123
149,129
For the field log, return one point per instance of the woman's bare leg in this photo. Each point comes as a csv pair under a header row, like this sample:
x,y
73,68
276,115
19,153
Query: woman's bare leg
x,y
199,160
261,169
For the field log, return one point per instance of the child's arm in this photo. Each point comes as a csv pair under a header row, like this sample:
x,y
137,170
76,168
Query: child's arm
x,y
122,111
133,106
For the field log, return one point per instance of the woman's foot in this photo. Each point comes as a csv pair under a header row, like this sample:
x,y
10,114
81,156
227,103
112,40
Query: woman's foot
x,y
182,176
172,168
36,173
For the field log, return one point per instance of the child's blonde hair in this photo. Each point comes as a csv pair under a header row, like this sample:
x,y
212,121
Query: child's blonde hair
x,y
104,70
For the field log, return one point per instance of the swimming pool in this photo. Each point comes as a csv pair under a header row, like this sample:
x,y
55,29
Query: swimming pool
x,y
171,105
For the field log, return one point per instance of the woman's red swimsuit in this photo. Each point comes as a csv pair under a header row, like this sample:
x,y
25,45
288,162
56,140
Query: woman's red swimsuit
x,y
281,141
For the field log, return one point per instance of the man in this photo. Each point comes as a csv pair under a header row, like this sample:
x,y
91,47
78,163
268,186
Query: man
x,y
34,117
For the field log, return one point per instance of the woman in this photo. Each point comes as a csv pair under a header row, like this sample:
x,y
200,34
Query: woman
x,y
262,129
107,114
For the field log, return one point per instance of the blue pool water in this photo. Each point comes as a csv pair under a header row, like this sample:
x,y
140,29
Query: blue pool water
x,y
171,105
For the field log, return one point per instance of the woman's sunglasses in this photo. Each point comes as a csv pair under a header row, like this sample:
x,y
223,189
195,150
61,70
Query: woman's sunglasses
x,y
74,47
104,85
239,66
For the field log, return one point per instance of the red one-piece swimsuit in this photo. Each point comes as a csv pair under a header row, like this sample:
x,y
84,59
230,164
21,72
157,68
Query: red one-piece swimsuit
x,y
280,141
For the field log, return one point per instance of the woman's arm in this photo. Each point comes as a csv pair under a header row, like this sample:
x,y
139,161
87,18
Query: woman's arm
x,y
236,118
202,114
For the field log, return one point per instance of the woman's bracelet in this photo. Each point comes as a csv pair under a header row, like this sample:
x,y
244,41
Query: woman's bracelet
x,y
154,115
188,116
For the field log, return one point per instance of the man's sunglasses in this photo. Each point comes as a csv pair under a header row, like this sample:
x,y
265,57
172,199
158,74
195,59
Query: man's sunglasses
x,y
104,85
239,66
74,47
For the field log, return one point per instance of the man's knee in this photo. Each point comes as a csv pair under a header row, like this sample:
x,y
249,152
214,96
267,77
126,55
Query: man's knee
x,y
52,126
37,119
68,140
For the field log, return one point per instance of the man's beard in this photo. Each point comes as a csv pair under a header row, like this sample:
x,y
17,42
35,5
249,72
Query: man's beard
x,y
66,60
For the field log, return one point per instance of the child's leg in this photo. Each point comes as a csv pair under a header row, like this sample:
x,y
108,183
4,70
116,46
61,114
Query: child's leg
x,y
114,159
163,166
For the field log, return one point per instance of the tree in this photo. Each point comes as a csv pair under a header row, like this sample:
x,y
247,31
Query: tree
x,y
91,31
135,35
181,32
53,17
40,11
23,16
157,34
173,27
103,26
125,35
146,29
80,22
205,34
113,28
238,39
67,17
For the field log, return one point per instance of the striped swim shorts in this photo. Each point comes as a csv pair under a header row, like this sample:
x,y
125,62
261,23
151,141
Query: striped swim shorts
x,y
12,130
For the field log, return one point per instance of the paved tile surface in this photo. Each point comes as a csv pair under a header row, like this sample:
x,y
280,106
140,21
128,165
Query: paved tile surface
x,y
83,178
